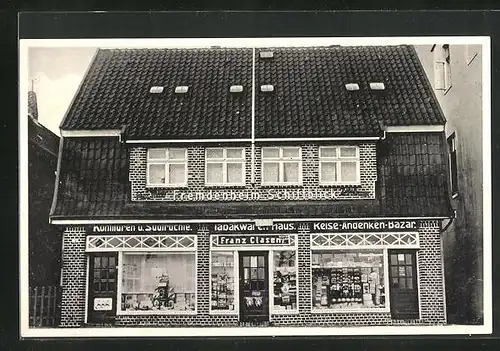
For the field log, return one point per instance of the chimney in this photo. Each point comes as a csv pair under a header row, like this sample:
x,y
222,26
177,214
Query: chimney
x,y
32,104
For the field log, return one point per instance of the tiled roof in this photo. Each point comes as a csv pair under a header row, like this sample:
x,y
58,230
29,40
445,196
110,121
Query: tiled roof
x,y
309,98
413,175
94,185
93,178
115,93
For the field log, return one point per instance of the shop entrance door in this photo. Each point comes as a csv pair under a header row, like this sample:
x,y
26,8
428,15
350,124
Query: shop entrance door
x,y
403,284
254,286
102,288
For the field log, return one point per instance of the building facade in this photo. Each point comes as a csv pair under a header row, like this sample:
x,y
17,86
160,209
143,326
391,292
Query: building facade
x,y
461,100
253,186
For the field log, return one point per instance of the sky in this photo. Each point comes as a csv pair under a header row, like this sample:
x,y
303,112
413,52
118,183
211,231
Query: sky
x,y
57,73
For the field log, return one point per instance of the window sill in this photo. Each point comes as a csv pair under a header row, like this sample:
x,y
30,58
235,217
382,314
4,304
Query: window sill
x,y
166,186
340,185
352,310
222,186
156,313
223,313
284,312
281,185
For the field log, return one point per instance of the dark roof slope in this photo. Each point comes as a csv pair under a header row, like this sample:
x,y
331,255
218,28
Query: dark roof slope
x,y
413,174
93,178
94,185
310,98
115,93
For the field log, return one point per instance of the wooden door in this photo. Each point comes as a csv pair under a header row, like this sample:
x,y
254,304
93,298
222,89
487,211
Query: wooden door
x,y
102,287
403,284
254,286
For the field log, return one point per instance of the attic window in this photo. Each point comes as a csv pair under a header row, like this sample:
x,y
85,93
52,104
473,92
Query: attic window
x,y
266,54
181,89
268,88
156,90
236,88
377,86
352,86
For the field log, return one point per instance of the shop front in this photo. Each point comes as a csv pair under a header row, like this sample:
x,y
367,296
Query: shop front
x,y
373,272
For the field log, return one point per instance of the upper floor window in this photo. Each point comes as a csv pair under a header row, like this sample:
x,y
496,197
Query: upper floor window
x,y
442,67
225,166
167,167
281,165
339,165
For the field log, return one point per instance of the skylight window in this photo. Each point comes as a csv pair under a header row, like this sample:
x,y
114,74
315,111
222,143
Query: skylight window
x,y
236,88
377,86
266,54
156,90
181,89
268,88
352,86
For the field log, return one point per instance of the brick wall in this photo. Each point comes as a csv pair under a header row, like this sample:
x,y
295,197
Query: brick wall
x,y
431,272
310,175
432,302
74,268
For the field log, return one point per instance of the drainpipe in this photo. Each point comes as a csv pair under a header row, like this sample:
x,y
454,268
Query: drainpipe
x,y
252,166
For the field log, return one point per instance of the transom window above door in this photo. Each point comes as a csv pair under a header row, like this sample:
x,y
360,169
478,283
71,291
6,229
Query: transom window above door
x,y
225,166
167,167
339,165
281,166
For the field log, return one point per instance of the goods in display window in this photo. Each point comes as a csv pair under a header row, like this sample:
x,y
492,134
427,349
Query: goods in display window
x,y
158,282
285,280
222,281
348,280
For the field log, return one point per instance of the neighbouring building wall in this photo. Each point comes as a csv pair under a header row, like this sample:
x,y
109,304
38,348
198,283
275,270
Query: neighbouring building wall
x,y
44,238
461,103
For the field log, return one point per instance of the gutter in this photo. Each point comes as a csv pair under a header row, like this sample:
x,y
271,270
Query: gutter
x,y
252,164
82,221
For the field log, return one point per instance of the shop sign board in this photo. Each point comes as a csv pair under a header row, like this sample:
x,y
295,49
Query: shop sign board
x,y
250,227
103,304
254,240
363,226
143,228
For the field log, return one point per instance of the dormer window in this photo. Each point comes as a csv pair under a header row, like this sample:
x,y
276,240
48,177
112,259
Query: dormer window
x,y
339,165
266,54
352,86
181,89
166,167
156,90
377,86
267,88
236,89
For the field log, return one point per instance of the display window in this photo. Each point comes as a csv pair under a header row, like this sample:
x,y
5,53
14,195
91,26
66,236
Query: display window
x,y
285,282
158,282
348,280
223,289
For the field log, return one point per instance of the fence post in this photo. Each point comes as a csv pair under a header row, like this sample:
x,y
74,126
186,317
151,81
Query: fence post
x,y
35,304
41,306
47,314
